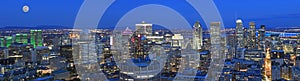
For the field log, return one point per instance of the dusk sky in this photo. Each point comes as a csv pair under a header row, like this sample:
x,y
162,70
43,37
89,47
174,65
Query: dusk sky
x,y
272,13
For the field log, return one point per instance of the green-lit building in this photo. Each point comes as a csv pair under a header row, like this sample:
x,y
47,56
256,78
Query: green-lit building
x,y
21,38
36,38
2,42
6,41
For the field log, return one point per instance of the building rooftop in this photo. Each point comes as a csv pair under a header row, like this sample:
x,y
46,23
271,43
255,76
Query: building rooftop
x,y
127,31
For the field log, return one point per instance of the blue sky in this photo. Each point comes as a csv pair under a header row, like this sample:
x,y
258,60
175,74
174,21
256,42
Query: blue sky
x,y
272,13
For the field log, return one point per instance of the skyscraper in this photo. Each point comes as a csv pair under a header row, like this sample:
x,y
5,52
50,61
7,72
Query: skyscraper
x,y
216,52
21,38
2,42
297,56
6,41
197,36
239,33
298,41
261,37
245,37
36,38
176,40
252,37
144,28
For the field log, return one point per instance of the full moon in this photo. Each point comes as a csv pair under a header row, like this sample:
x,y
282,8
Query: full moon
x,y
25,8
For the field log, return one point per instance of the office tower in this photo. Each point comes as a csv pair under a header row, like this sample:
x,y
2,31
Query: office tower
x,y
66,51
276,74
18,51
239,33
245,37
6,41
240,53
176,40
42,54
197,36
252,37
3,52
144,28
286,71
139,45
216,52
261,37
297,56
124,43
267,63
255,55
295,73
36,38
298,38
9,41
126,36
2,42
21,38
231,43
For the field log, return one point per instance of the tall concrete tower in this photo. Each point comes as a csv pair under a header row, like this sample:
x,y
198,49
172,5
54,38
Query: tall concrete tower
x,y
36,38
216,51
239,33
252,36
261,37
197,36
144,28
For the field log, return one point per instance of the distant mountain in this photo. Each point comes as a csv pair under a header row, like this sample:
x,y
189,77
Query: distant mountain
x,y
37,27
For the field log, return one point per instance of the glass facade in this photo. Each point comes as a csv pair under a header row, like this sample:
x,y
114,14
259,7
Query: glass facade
x,y
21,38
36,38
5,41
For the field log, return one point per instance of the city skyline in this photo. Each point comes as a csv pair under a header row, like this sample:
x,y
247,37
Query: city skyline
x,y
150,54
149,40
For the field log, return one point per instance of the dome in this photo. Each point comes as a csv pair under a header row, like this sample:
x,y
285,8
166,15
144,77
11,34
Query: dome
x,y
239,21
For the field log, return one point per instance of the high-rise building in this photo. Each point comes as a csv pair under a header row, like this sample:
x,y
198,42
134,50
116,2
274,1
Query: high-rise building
x,y
42,54
216,51
3,53
21,38
231,46
144,28
298,38
261,37
6,41
197,36
268,64
36,38
295,73
139,45
176,40
297,56
239,33
252,36
254,55
275,73
245,37
2,42
286,71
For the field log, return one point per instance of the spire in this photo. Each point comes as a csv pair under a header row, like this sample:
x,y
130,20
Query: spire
x,y
127,31
197,24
